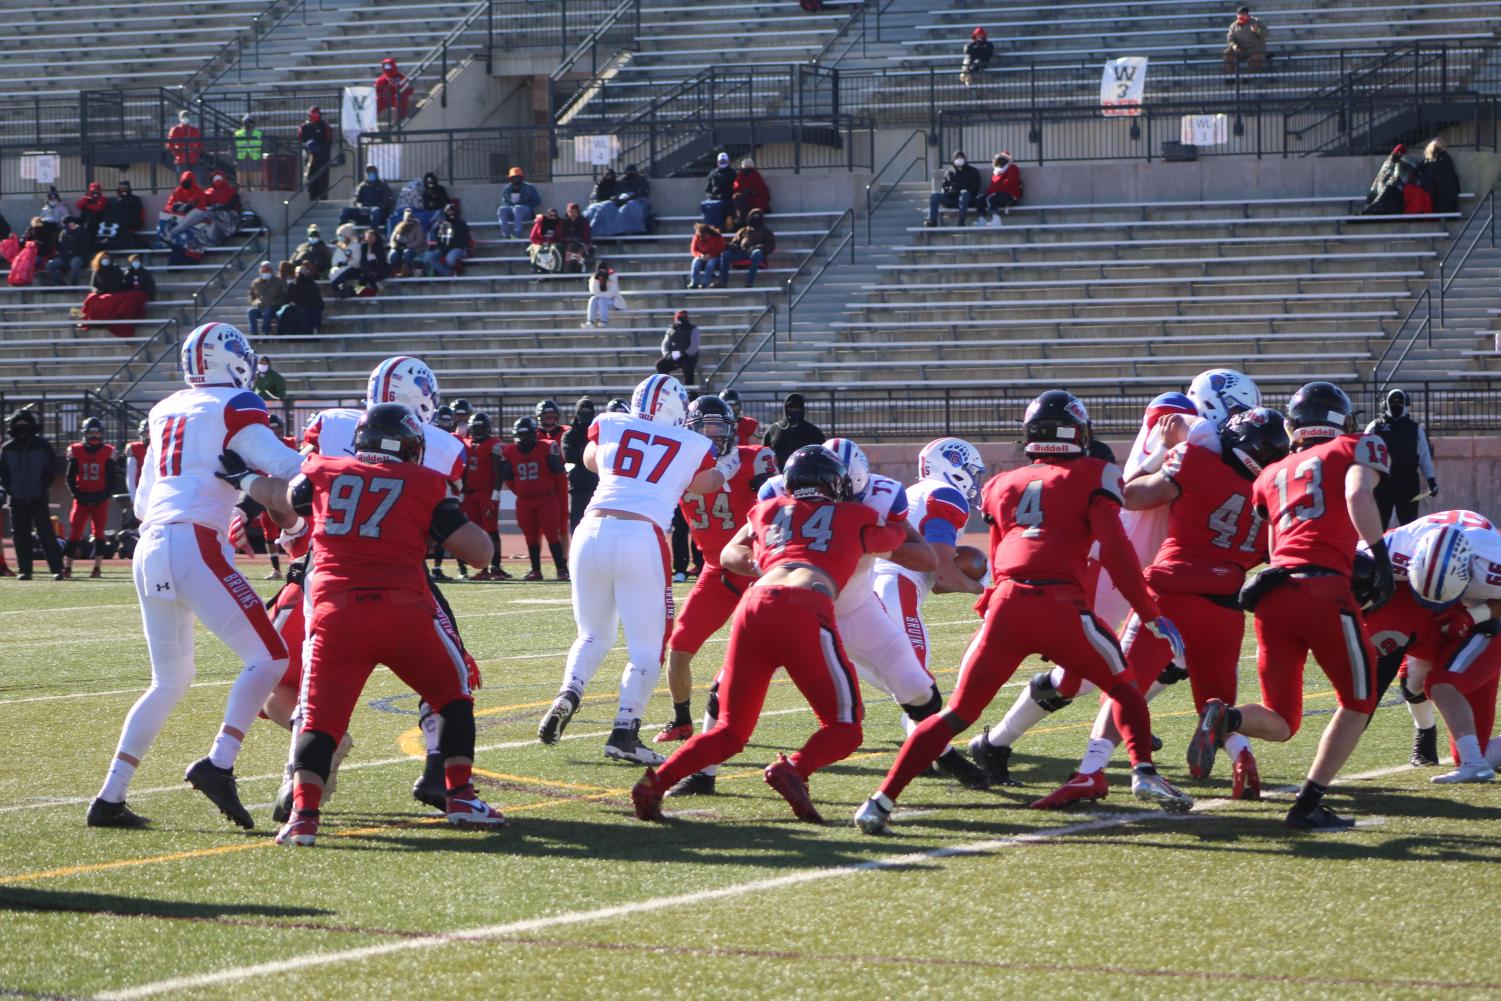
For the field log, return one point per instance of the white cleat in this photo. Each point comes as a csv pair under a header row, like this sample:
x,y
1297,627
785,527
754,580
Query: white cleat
x,y
872,817
1149,787
1475,771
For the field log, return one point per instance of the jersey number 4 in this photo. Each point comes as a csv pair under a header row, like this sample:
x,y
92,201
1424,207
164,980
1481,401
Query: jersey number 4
x,y
1224,521
818,529
344,496
704,513
630,458
1029,510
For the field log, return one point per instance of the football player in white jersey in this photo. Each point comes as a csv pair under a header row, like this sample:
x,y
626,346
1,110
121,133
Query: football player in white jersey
x,y
620,557
184,568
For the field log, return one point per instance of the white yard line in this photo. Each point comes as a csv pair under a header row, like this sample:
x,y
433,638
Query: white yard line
x,y
113,691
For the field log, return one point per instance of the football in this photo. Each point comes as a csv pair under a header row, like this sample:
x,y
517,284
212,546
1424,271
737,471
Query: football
x,y
972,562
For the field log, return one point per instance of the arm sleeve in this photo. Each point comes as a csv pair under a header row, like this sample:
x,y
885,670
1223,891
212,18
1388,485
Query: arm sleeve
x,y
71,475
302,495
448,518
261,449
883,538
1118,557
1425,455
944,517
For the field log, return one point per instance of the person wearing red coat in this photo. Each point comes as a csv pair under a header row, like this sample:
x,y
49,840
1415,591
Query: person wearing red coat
x,y
392,92
185,142
91,206
1005,188
707,245
187,196
750,192
220,194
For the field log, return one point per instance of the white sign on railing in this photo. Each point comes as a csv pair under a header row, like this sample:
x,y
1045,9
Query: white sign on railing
x,y
39,167
599,151
1121,86
1205,130
358,114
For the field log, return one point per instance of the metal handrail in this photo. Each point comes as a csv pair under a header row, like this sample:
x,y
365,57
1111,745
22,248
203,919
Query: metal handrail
x,y
870,207
217,276
589,44
439,54
1423,302
260,27
170,323
1487,206
849,241
287,220
724,360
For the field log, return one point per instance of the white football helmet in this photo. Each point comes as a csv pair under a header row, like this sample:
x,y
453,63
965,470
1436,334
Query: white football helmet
x,y
854,461
662,399
407,381
217,354
1440,569
1221,393
953,461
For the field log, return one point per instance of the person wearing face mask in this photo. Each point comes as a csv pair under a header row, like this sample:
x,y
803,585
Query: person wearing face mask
x,y
451,242
90,208
1407,444
74,248
576,239
977,55
960,190
248,145
434,195
123,217
1245,42
720,189
269,383
185,143
111,299
751,193
1005,188
408,244
680,347
28,465
138,278
792,432
393,94
543,249
53,209
316,140
372,201
268,294
314,252
304,304
518,205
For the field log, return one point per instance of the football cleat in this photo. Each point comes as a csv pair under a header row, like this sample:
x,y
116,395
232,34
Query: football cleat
x,y
625,745
1425,747
466,809
103,813
672,732
67,574
281,810
499,573
1475,771
680,577
431,789
1079,786
563,577
482,575
1246,776
1319,819
994,761
218,784
6,571
697,784
300,830
646,796
1149,787
437,574
962,770
872,817
533,575
783,777
558,714
1208,738
95,574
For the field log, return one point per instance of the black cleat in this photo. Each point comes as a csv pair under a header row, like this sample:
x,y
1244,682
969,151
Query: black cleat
x,y
555,721
103,813
1319,819
962,770
432,788
218,784
1425,747
697,784
1156,743
994,761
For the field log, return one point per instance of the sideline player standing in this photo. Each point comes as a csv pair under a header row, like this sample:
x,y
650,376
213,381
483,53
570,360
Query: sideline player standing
x,y
646,460
184,569
805,545
531,465
135,458
372,515
91,478
1044,517
745,427
550,428
482,492
1319,502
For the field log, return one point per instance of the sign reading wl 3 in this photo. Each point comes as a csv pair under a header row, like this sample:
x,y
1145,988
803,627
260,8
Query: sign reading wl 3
x,y
1121,86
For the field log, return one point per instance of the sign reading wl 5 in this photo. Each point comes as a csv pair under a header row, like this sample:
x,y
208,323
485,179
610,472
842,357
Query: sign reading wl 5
x,y
1122,85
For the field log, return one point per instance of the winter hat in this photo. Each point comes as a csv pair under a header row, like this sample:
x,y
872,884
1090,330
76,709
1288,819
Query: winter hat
x,y
265,266
516,172
723,160
1399,150
572,206
186,179
314,113
681,314
748,163
978,33
95,189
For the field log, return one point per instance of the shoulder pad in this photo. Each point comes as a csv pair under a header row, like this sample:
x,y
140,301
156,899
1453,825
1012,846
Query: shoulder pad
x,y
1371,452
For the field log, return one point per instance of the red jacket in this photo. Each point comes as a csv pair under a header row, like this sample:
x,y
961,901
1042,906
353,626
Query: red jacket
x,y
1415,200
392,91
707,244
218,195
545,230
1009,180
196,197
750,183
185,143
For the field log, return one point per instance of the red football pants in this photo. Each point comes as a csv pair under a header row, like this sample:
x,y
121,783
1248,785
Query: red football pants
x,y
708,606
81,514
1315,615
538,516
354,631
774,627
479,508
291,624
1473,666
1212,635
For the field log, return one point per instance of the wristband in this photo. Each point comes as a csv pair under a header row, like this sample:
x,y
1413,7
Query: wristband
x,y
1480,613
247,480
1154,461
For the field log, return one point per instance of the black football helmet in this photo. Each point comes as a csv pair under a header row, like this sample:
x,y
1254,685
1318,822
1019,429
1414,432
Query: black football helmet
x,y
443,419
584,410
813,471
479,427
1254,439
545,407
390,430
732,397
461,409
617,406
92,430
711,417
525,429
1317,412
1056,423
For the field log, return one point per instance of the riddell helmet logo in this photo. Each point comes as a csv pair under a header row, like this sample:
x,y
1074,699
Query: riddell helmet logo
x,y
1051,446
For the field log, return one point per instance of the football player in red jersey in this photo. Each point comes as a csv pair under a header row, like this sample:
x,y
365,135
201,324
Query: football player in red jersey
x,y
1319,504
745,427
372,515
805,547
91,474
1044,517
532,468
135,456
482,492
713,519
550,429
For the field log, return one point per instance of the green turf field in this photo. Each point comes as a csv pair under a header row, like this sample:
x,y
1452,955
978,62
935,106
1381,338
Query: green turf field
x,y
971,896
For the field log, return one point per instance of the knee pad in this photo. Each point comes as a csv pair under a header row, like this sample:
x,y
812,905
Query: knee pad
x,y
457,739
1172,674
1045,695
1415,698
315,753
917,713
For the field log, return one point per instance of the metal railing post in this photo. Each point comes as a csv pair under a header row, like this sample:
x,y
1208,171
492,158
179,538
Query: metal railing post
x,y
443,77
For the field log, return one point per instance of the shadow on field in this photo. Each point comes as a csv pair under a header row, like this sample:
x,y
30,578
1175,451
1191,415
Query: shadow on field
x,y
27,899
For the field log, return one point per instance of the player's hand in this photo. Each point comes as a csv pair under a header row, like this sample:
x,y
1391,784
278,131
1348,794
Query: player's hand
x,y
1432,487
729,464
1162,627
1455,622
234,471
475,681
1384,582
1172,429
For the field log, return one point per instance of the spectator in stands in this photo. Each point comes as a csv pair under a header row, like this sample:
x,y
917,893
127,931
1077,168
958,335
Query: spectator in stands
x,y
44,235
1245,42
314,253
341,259
680,347
269,383
408,243
222,194
1410,456
373,258
248,146
576,239
317,142
123,219
53,209
751,192
706,248
105,275
543,243
434,195
90,208
268,294
186,202
111,299
977,55
393,94
604,188
1415,200
581,481
519,202
451,242
1385,194
28,465
1005,188
791,432
720,188
371,203
185,143
604,295
753,242
960,190
303,296
74,248
634,198
1438,176
138,277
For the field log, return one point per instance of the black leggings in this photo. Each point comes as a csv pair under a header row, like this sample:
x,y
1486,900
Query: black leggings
x,y
31,521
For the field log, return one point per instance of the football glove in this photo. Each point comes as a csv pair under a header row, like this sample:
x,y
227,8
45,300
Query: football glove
x,y
235,472
1162,627
1253,590
729,464
1384,583
1432,487
1454,622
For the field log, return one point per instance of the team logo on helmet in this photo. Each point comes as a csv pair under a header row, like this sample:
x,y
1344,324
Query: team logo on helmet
x,y
1077,409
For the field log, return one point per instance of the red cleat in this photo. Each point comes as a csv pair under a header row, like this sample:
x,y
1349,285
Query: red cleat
x,y
482,575
464,808
1092,786
782,777
646,797
533,575
1247,778
673,732
301,831
6,571
67,573
95,574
